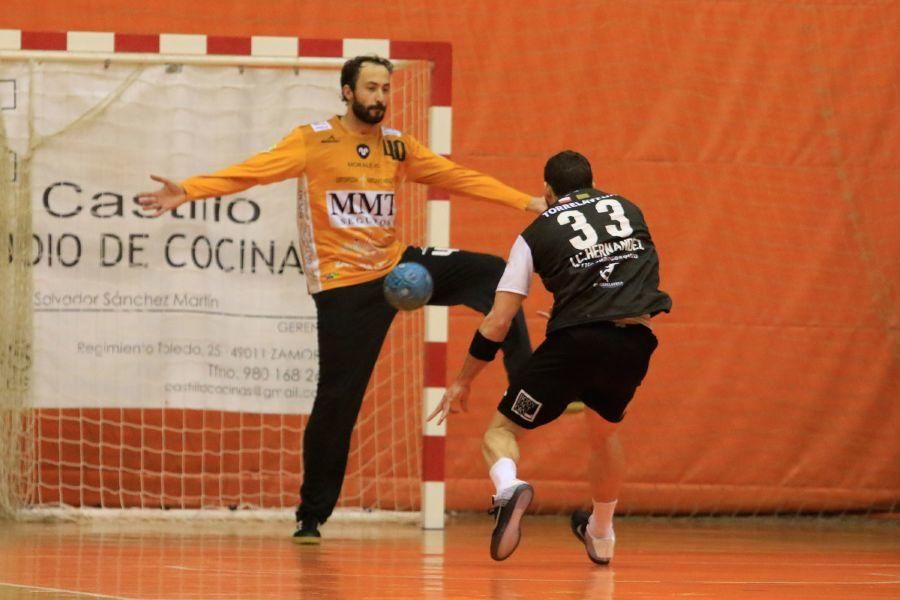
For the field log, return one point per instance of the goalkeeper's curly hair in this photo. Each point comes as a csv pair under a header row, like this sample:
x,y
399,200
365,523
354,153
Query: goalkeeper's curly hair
x,y
351,68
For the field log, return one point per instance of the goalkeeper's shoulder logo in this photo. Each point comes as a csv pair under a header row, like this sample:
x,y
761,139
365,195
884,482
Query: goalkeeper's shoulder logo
x,y
320,126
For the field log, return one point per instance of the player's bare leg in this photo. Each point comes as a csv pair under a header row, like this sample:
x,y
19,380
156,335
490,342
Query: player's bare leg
x,y
606,465
606,470
501,452
501,440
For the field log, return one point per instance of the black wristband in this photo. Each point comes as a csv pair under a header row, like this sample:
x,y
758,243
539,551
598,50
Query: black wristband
x,y
483,348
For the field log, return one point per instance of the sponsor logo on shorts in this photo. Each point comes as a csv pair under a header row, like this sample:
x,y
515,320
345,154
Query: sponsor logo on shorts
x,y
526,406
437,251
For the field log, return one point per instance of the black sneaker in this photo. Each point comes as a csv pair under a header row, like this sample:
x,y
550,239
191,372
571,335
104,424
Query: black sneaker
x,y
508,509
578,521
599,550
307,532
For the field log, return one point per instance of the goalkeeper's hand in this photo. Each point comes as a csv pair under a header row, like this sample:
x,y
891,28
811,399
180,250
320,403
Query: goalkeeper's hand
x,y
537,204
169,197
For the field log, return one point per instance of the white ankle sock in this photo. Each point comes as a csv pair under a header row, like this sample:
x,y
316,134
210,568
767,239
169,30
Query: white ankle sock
x,y
600,523
503,473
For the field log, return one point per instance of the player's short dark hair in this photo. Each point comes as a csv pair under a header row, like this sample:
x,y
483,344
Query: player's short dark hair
x,y
351,68
568,171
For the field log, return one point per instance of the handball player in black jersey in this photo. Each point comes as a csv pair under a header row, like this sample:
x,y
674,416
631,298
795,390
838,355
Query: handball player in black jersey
x,y
593,252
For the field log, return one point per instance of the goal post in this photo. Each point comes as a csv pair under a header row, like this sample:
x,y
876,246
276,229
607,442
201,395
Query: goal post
x,y
175,359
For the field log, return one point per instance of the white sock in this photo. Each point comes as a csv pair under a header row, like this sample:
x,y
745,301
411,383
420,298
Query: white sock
x,y
600,523
503,473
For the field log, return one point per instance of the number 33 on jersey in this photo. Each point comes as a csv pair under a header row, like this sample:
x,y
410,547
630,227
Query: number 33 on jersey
x,y
594,253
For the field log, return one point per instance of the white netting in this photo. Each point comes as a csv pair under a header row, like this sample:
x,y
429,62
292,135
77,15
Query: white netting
x,y
16,423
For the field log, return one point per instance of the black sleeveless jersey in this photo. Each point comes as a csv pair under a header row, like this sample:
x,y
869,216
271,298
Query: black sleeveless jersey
x,y
594,253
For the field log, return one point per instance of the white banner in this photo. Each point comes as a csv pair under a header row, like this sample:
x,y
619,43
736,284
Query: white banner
x,y
205,308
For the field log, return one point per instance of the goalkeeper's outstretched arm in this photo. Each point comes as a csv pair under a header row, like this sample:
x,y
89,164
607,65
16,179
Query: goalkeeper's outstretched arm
x,y
169,197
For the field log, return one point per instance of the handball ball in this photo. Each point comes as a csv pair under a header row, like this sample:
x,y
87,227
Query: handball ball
x,y
408,286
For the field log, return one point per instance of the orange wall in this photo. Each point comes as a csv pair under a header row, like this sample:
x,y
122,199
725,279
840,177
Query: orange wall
x,y
762,140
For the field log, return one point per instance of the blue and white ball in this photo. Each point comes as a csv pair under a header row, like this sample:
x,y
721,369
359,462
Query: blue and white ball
x,y
408,286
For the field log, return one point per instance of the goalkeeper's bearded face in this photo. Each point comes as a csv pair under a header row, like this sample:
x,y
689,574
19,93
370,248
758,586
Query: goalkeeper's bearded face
x,y
369,100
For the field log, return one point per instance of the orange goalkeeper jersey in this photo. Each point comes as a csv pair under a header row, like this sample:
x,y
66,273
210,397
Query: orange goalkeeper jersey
x,y
346,200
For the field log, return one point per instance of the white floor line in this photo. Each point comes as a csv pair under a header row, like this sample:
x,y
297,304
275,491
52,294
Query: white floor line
x,y
799,582
38,588
432,575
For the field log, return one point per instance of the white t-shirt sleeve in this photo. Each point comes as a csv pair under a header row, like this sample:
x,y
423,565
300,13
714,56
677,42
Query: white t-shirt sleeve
x,y
517,276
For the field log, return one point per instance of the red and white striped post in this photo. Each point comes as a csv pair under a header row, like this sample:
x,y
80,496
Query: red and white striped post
x,y
440,125
436,319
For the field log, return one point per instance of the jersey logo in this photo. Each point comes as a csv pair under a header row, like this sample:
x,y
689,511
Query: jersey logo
x,y
320,126
606,271
363,151
360,208
396,149
329,140
390,131
526,406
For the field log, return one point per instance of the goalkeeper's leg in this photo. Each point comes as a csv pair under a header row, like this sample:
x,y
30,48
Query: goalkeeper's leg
x,y
352,325
470,279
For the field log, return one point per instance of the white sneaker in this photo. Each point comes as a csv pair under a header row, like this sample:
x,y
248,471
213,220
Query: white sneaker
x,y
508,507
599,550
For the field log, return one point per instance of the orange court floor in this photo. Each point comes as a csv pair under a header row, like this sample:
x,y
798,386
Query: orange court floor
x,y
716,558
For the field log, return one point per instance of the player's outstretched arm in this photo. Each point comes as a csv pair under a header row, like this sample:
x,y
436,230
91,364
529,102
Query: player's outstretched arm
x,y
492,331
424,166
169,197
282,161
457,394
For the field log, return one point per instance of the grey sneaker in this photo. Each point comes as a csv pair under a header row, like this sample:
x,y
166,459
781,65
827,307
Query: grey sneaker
x,y
508,509
599,550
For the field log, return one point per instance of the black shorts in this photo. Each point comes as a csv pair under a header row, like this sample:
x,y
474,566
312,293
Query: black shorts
x,y
601,364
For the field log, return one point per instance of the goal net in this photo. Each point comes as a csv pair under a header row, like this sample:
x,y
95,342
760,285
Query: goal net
x,y
172,362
